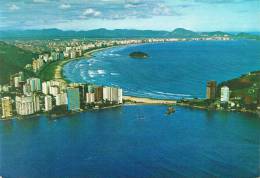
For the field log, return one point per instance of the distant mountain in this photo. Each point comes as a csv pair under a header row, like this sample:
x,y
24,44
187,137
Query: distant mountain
x,y
118,33
248,36
12,60
183,33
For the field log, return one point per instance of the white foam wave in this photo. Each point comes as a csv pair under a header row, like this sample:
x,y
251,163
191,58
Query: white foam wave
x,y
93,73
173,94
101,71
113,73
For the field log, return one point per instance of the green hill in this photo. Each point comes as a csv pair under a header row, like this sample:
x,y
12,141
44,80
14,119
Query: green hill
x,y
12,60
246,87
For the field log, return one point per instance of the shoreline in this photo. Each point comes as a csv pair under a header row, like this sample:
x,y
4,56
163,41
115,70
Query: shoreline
x,y
131,100
145,100
58,74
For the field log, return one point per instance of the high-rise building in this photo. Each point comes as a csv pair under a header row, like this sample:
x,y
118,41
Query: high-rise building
x,y
17,81
24,105
55,56
5,88
54,90
27,89
120,96
48,103
7,110
35,84
46,87
90,98
211,89
73,97
36,103
113,94
107,94
61,99
72,54
98,94
224,94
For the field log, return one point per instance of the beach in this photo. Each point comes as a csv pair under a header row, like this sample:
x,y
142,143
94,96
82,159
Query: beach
x,y
140,100
58,70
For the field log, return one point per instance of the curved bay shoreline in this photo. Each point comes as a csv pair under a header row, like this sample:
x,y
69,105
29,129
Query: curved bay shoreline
x,y
58,75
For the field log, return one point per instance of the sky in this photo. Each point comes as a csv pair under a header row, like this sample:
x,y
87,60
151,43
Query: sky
x,y
197,15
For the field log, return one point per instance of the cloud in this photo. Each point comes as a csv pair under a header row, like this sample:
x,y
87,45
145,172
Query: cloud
x,y
90,12
65,6
223,1
162,10
13,7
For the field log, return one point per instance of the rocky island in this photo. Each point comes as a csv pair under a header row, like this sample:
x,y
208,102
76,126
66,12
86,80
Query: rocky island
x,y
139,55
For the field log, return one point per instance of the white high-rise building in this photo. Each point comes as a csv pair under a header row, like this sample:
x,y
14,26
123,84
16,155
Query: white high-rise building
x,y
120,96
54,90
7,110
46,87
90,98
36,103
61,99
106,94
17,81
224,94
113,94
24,105
48,103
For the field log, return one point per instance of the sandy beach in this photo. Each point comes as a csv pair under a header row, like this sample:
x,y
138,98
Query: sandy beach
x,y
139,100
58,70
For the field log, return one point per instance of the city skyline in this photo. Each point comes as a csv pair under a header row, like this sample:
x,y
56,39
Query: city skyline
x,y
197,15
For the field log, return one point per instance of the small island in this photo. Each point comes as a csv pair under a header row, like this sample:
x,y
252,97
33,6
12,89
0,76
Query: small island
x,y
139,55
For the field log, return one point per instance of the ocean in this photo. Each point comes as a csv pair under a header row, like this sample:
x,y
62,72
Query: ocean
x,y
173,70
132,141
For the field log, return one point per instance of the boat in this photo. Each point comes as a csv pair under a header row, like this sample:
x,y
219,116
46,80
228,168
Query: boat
x,y
170,110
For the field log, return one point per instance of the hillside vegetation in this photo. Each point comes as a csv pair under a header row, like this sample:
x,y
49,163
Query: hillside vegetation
x,y
12,60
246,86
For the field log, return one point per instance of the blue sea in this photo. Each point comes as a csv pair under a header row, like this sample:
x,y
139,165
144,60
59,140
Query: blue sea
x,y
141,141
173,70
132,141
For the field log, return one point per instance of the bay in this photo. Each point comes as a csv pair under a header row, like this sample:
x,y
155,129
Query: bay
x,y
119,143
173,70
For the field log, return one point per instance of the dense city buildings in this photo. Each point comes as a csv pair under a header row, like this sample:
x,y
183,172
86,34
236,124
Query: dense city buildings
x,y
31,95
7,110
211,89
